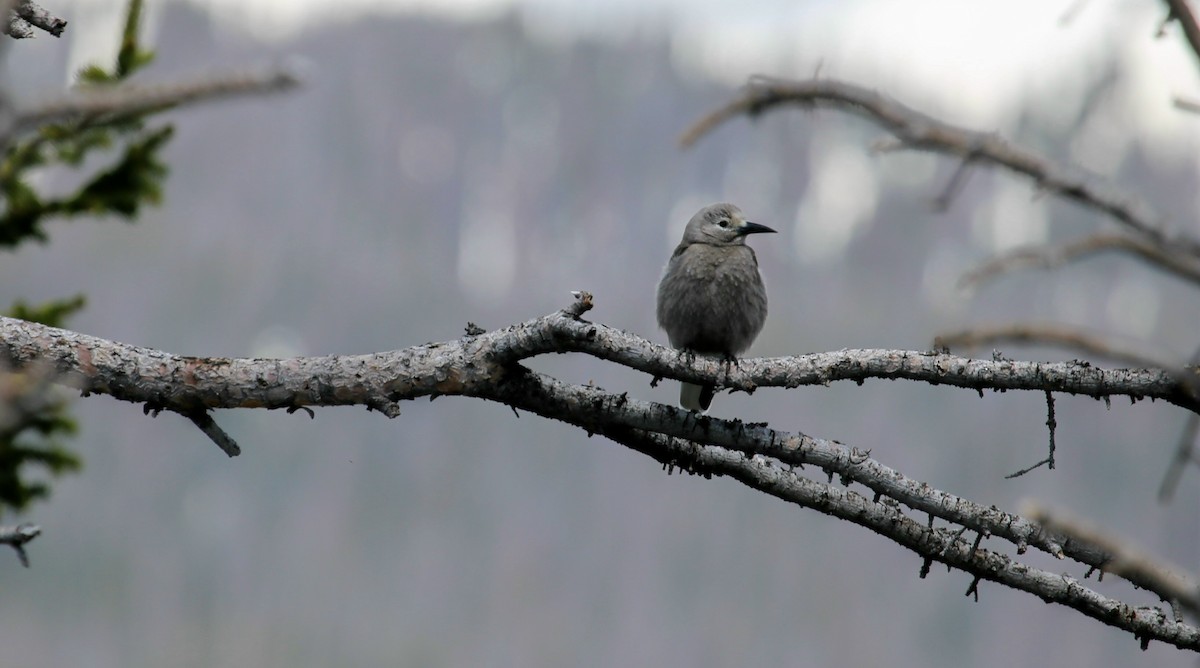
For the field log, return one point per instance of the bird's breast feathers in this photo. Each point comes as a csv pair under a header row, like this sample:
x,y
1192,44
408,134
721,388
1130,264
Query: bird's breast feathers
x,y
702,262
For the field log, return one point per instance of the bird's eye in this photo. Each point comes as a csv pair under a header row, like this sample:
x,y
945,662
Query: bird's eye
x,y
724,222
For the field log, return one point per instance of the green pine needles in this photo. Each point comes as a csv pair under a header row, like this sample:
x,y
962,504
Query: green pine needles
x,y
34,418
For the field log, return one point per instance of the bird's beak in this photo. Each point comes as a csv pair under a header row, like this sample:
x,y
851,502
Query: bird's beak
x,y
753,228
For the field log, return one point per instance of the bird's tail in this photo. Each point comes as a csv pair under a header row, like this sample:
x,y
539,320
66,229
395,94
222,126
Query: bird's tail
x,y
696,397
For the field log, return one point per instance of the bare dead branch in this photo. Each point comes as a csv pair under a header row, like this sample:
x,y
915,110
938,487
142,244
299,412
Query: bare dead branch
x,y
144,375
1185,448
477,365
209,426
22,16
1072,12
1184,104
488,366
1052,424
17,27
595,410
763,473
135,98
27,15
1034,467
958,179
1053,257
916,130
17,536
1046,334
941,545
1184,455
1068,16
1179,11
1125,559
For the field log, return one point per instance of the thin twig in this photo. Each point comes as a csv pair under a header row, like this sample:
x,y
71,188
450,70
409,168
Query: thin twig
x,y
1053,257
134,98
1018,474
1045,334
1184,104
17,536
1181,12
1184,450
958,179
1071,13
916,130
1052,424
209,426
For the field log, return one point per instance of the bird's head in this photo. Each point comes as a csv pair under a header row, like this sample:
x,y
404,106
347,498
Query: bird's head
x,y
720,225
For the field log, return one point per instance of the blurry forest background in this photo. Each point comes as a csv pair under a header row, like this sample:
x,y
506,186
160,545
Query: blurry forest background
x,y
444,168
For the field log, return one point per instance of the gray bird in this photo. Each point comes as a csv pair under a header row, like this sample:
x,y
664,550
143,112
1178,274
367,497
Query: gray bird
x,y
711,299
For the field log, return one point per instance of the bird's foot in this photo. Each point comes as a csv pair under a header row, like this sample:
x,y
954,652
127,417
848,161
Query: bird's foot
x,y
730,362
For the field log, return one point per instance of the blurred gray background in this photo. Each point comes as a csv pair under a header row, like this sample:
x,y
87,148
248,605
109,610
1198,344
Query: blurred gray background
x,y
476,161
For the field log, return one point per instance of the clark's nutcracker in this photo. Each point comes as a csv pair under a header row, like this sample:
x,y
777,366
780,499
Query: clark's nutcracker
x,y
711,299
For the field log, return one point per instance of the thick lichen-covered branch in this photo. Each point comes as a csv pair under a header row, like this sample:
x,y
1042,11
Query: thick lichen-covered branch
x,y
488,365
456,366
